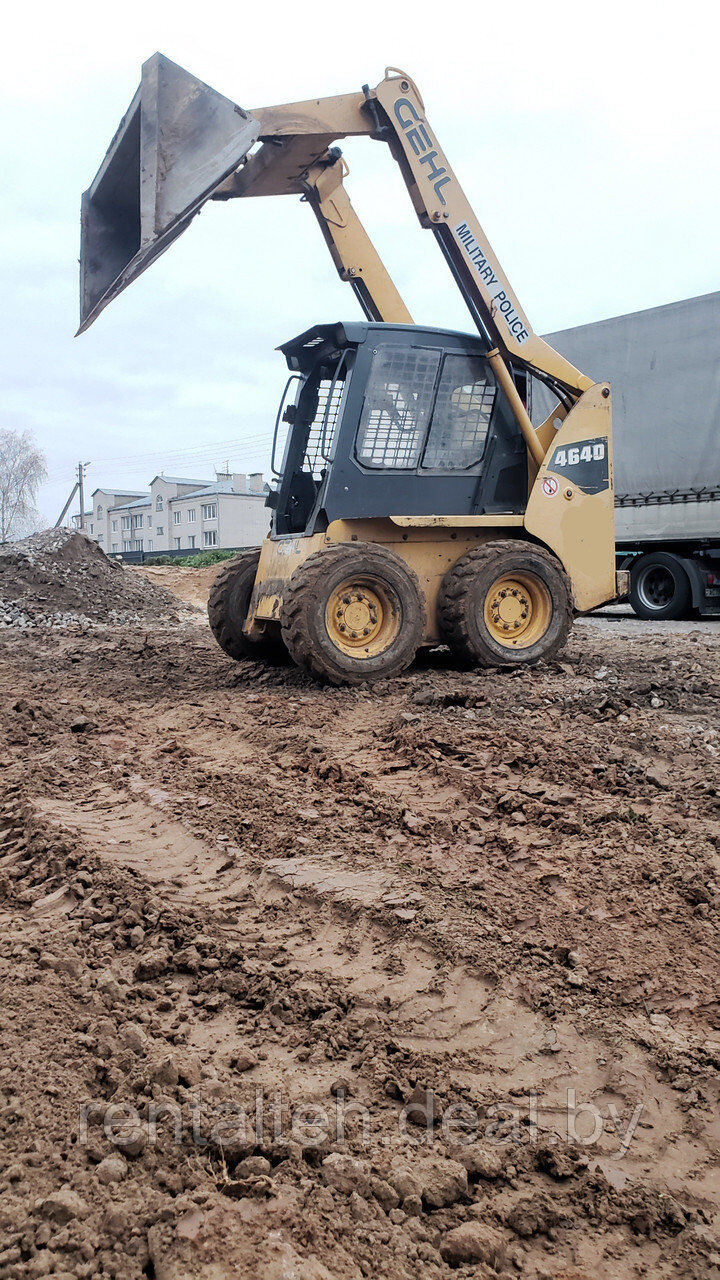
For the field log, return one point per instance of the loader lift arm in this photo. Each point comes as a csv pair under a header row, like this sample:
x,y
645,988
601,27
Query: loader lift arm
x,y
351,249
296,139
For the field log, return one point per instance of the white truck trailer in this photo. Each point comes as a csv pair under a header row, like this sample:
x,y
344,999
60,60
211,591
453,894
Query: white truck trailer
x,y
663,365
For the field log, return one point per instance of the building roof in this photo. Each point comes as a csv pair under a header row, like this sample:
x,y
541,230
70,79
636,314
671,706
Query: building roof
x,y
125,506
118,493
177,480
220,486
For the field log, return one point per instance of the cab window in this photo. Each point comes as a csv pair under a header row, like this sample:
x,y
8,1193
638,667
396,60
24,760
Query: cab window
x,y
397,405
461,417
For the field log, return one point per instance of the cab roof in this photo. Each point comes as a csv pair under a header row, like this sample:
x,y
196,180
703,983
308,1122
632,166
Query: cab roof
x,y
324,340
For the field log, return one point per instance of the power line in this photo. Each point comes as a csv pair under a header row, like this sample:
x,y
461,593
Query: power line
x,y
196,450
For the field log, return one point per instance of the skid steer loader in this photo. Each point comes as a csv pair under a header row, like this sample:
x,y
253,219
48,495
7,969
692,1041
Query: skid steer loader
x,y
415,503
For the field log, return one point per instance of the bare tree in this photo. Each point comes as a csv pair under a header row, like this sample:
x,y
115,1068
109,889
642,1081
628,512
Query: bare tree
x,y
22,471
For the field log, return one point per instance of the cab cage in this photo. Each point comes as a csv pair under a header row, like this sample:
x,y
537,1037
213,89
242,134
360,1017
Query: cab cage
x,y
393,414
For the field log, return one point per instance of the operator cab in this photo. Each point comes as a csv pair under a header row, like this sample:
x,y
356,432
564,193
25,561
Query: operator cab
x,y
392,420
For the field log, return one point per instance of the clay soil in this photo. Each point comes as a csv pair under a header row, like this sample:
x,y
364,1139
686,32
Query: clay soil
x,y
310,984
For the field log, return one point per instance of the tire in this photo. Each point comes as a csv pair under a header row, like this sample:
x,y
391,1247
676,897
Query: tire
x,y
517,622
227,609
353,613
660,587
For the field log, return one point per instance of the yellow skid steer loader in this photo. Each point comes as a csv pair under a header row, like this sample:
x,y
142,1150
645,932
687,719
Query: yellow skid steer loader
x,y
414,501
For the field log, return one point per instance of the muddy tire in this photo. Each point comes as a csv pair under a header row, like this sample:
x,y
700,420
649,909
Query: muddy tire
x,y
353,613
505,604
227,610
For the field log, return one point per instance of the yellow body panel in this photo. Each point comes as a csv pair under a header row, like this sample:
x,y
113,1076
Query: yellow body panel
x,y
458,522
579,527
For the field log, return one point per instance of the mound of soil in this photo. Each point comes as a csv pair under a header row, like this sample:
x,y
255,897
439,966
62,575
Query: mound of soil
x,y
61,579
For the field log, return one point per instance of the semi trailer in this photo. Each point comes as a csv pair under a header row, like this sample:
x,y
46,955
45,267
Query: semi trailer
x,y
664,368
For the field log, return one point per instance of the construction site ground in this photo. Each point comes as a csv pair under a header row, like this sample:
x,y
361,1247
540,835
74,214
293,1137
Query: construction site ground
x,y
302,983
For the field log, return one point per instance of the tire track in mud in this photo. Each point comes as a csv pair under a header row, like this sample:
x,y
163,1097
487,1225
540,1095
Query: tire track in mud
x,y
476,1034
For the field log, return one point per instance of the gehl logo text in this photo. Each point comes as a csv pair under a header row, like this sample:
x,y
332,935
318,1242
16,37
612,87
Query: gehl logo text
x,y
422,144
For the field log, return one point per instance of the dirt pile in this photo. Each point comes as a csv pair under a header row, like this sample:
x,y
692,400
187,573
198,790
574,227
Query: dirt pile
x,y
61,579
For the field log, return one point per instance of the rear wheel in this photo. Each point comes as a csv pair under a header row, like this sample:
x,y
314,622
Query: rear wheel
x,y
352,613
228,605
505,604
659,587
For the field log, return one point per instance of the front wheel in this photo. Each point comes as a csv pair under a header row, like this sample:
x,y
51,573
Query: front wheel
x,y
505,604
659,587
352,613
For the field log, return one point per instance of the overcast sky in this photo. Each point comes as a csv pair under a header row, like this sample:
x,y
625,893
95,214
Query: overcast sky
x,y
586,137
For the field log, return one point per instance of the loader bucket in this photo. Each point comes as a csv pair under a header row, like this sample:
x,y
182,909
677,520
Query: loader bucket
x,y
177,141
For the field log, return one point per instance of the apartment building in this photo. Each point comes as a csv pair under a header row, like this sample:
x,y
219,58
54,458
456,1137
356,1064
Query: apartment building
x,y
182,514
95,521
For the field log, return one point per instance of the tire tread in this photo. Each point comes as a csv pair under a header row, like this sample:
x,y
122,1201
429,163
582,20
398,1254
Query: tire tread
x,y
456,586
236,645
304,585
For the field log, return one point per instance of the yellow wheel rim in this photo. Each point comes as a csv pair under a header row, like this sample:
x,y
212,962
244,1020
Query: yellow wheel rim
x,y
363,617
518,609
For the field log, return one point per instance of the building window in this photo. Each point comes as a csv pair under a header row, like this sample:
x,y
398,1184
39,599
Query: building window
x,y
91,529
210,538
158,503
177,543
114,546
138,544
149,521
137,522
114,526
99,513
126,522
191,540
191,515
100,537
149,544
126,545
177,517
209,511
160,531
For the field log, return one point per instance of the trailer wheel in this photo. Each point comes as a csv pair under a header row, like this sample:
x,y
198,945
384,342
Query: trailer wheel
x,y
352,613
227,610
505,604
659,587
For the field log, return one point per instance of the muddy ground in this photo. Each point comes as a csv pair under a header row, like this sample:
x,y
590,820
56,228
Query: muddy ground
x,y
308,984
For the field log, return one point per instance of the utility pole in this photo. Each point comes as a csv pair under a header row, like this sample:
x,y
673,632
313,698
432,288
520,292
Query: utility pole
x,y
81,487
